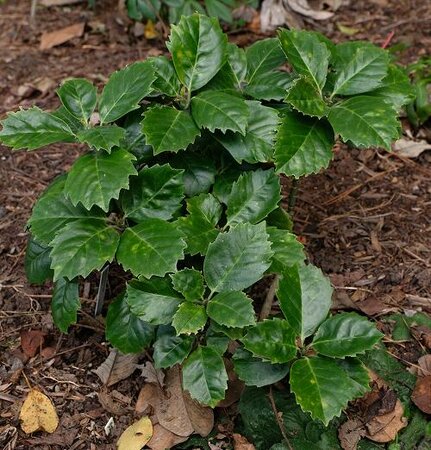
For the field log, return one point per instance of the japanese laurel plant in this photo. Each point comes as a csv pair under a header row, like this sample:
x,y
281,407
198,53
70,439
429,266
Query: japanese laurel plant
x,y
180,186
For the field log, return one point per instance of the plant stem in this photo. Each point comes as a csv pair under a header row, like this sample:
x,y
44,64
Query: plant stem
x,y
269,299
277,418
100,298
292,195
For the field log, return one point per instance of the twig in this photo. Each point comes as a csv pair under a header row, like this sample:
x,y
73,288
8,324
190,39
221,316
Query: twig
x,y
277,418
33,10
269,299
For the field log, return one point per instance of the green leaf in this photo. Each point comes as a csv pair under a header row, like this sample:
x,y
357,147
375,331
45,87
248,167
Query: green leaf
x,y
199,227
168,129
262,57
359,68
143,9
304,96
170,349
305,297
126,331
303,146
156,192
53,211
238,258
33,128
306,54
345,334
189,283
395,88
217,8
272,340
216,110
166,82
37,262
357,373
321,387
217,340
204,376
152,247
269,86
198,48
189,318
257,144
153,301
124,90
134,140
253,197
102,137
231,333
231,309
70,120
82,246
65,303
79,97
255,372
288,251
366,121
97,178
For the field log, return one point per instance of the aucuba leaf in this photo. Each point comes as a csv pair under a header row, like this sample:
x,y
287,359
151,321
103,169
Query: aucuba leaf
x,y
189,283
102,138
170,349
37,262
189,318
65,303
231,309
79,97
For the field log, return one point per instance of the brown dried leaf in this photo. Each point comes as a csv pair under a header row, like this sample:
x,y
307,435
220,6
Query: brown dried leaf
x,y
109,404
58,37
32,341
241,443
151,374
38,413
116,367
350,433
424,362
421,395
201,417
148,397
384,428
163,438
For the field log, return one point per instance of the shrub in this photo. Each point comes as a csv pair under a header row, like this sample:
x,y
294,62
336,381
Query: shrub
x,y
181,188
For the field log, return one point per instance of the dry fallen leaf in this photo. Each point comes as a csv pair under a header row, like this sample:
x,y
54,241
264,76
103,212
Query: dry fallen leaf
x,y
424,362
350,433
384,428
32,341
61,36
163,438
137,435
116,367
38,413
421,395
241,443
409,148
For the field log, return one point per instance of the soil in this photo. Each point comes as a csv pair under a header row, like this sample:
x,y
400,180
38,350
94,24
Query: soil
x,y
365,221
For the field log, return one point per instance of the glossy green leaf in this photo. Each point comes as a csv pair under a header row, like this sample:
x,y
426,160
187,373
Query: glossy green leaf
x,y
189,283
189,318
217,340
79,97
257,144
166,82
37,262
204,376
219,8
262,57
306,54
170,349
168,129
304,96
305,296
231,333
358,374
269,86
321,387
288,251
124,90
82,246
126,331
134,140
253,197
237,258
152,247
198,48
345,334
97,178
199,227
272,340
303,146
102,138
255,372
231,309
366,121
33,128
153,301
359,68
217,110
69,119
156,192
395,88
65,303
53,211
143,9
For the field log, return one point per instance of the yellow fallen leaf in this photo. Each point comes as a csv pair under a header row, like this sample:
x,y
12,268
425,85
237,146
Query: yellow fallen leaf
x,y
137,435
38,413
150,31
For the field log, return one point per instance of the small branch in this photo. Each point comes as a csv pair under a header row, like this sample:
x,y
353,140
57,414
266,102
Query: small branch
x,y
277,418
269,299
292,196
33,11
